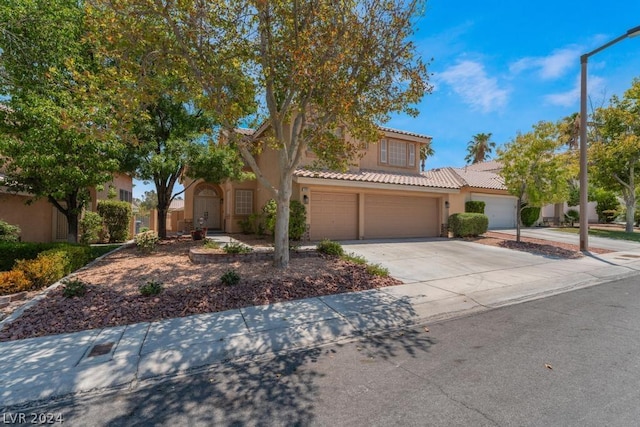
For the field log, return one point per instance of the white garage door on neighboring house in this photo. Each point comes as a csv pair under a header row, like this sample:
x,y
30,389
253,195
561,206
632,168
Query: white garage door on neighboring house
x,y
400,216
334,216
501,210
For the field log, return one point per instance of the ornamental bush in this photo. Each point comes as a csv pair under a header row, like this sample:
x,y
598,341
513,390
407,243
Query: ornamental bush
x,y
12,282
90,227
474,206
297,218
529,215
329,247
8,232
468,224
116,217
146,242
45,270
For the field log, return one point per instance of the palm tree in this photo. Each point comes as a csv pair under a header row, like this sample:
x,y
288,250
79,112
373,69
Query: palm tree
x,y
569,130
425,151
479,148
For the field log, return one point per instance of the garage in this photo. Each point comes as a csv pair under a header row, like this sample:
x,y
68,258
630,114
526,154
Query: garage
x,y
389,216
501,210
334,216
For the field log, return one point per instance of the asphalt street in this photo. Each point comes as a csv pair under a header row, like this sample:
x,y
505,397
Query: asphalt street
x,y
572,359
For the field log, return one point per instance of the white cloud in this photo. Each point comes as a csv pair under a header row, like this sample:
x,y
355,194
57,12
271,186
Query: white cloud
x,y
552,66
571,97
470,81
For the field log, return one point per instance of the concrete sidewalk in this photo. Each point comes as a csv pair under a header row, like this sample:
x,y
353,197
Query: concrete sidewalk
x,y
126,357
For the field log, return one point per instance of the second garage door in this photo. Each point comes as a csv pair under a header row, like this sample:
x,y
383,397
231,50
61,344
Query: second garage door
x,y
400,216
334,216
501,210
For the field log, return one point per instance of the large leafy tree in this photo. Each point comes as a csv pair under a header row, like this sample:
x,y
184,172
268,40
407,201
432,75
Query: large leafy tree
x,y
166,118
615,156
533,170
479,148
313,67
40,43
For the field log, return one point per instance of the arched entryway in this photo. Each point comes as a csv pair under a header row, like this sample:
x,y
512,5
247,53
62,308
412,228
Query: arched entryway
x,y
207,205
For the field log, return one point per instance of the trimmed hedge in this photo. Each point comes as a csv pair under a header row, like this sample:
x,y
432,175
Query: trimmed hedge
x,y
468,224
529,215
12,282
116,216
474,206
12,251
297,218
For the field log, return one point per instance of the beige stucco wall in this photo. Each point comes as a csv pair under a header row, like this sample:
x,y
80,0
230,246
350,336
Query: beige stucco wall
x,y
35,220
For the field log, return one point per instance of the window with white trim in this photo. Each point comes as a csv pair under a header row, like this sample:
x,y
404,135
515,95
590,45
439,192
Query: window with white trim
x,y
383,151
244,202
397,153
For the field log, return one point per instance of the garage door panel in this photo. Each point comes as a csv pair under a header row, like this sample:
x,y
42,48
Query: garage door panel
x,y
334,216
400,216
501,210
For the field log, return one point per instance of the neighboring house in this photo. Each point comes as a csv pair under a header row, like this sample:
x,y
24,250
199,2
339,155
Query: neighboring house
x,y
40,221
384,196
482,182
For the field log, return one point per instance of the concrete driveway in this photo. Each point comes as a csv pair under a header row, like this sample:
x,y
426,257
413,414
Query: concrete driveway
x,y
421,260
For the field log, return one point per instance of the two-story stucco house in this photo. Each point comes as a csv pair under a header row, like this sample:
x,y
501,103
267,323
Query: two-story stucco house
x,y
383,196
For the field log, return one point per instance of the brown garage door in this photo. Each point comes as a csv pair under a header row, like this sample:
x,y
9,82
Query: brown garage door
x,y
400,216
334,216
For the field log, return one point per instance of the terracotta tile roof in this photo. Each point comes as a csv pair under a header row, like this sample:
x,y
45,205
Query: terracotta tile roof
x,y
480,178
491,165
430,180
403,132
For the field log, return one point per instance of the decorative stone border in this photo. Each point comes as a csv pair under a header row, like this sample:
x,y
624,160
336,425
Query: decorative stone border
x,y
206,256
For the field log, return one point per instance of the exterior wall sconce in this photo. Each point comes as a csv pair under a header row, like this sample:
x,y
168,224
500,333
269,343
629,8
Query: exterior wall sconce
x,y
446,204
305,199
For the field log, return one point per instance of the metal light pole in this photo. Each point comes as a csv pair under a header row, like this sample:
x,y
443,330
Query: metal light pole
x,y
584,220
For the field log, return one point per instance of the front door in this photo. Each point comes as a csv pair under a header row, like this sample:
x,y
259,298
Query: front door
x,y
206,205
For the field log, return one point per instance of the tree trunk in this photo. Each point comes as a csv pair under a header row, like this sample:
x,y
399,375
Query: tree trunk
x,y
281,232
630,202
162,222
163,208
72,225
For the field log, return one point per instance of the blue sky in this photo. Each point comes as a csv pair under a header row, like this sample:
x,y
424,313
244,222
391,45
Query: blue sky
x,y
501,66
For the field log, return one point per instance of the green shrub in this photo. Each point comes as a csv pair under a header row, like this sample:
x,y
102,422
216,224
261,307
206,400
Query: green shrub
x,y
377,270
330,247
45,270
76,256
211,244
245,226
151,288
116,216
297,218
474,206
356,259
8,232
607,205
146,242
12,282
73,288
230,278
236,248
572,216
90,227
529,215
468,224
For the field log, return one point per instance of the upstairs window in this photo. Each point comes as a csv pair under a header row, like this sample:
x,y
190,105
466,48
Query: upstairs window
x,y
395,153
126,196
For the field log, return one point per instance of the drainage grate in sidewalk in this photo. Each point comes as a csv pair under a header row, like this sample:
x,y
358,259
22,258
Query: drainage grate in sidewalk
x,y
101,349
